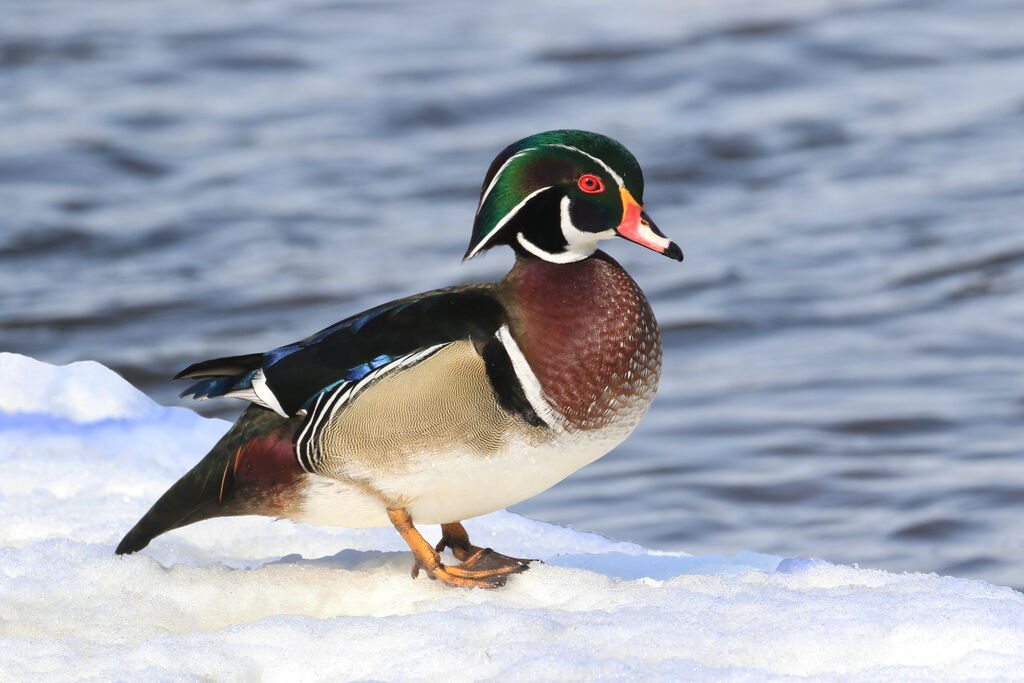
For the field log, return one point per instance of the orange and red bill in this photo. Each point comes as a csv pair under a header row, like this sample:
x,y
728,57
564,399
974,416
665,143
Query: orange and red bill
x,y
637,226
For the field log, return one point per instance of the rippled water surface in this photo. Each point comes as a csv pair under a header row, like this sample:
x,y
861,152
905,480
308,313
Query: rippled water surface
x,y
843,372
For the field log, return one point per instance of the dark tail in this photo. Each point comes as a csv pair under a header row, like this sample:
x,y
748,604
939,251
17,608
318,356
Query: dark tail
x,y
191,499
222,367
217,487
221,376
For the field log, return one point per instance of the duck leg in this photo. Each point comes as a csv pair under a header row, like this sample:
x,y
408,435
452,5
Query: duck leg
x,y
454,536
429,559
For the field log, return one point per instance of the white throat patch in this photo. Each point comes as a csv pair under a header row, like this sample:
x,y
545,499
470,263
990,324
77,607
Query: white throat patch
x,y
579,244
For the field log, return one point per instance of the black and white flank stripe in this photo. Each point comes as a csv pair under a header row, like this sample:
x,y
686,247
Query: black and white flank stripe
x,y
308,446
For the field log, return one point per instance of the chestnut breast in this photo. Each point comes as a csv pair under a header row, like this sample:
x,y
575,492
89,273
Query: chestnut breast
x,y
590,337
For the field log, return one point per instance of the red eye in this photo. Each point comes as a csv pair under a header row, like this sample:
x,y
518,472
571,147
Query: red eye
x,y
590,183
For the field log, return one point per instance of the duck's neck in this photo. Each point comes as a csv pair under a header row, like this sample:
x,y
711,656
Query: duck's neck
x,y
589,335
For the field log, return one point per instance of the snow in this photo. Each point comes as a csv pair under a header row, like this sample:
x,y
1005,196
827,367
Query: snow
x,y
31,386
84,454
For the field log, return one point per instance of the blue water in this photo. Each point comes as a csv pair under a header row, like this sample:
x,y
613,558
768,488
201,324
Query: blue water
x,y
844,369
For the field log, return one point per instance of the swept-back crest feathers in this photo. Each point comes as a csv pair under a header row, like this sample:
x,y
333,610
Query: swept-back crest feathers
x,y
528,167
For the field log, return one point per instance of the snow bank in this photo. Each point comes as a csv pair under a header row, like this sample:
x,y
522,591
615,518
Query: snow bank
x,y
248,598
81,392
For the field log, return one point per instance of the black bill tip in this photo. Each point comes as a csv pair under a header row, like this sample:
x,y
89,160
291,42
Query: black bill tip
x,y
674,252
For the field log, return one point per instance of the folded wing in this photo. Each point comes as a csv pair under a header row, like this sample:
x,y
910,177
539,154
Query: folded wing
x,y
338,359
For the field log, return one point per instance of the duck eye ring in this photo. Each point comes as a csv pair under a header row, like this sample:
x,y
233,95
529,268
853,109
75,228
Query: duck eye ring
x,y
590,183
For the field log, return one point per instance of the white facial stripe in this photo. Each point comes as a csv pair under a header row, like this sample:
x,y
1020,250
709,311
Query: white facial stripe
x,y
497,175
564,257
505,219
605,166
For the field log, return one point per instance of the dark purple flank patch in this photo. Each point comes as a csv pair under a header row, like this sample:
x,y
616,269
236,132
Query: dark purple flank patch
x,y
265,474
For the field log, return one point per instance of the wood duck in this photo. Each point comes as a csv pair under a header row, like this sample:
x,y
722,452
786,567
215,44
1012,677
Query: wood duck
x,y
456,402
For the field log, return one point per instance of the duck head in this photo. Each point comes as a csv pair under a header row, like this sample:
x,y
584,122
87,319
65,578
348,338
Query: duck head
x,y
555,195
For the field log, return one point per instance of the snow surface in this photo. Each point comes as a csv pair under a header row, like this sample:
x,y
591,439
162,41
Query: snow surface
x,y
84,454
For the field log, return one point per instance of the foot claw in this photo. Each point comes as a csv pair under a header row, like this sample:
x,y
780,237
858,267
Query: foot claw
x,y
483,569
486,560
480,568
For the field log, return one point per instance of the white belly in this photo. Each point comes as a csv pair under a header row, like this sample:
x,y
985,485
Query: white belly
x,y
451,487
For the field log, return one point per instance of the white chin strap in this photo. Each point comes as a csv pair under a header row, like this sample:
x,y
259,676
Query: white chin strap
x,y
579,244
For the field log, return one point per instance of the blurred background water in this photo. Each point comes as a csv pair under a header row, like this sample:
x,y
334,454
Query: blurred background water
x,y
843,372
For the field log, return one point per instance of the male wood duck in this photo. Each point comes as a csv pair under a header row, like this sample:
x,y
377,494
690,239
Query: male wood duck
x,y
456,402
